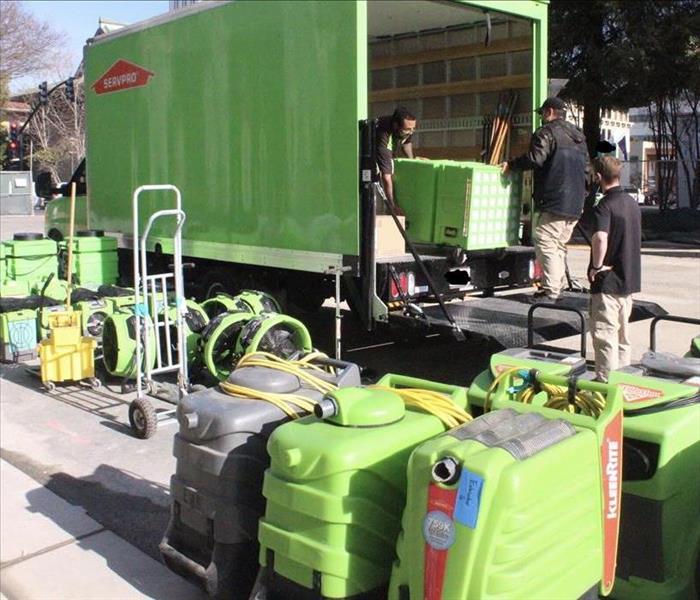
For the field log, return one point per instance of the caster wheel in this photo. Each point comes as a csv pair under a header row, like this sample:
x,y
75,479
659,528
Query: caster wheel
x,y
143,418
94,383
49,386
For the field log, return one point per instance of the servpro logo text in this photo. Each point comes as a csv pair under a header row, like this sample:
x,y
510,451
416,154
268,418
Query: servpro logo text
x,y
612,472
122,75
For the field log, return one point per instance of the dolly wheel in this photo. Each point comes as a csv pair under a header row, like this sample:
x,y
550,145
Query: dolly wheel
x,y
142,418
50,386
94,383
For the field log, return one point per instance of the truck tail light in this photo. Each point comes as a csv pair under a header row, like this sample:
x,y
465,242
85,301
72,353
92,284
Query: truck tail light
x,y
393,290
411,283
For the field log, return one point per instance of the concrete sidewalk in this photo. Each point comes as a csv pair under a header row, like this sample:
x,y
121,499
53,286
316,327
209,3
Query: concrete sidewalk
x,y
50,549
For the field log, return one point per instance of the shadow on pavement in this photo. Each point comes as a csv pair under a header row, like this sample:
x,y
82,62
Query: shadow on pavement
x,y
134,508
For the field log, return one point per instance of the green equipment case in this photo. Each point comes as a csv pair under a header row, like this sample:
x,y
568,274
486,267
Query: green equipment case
x,y
14,289
3,263
95,259
659,542
18,335
415,183
660,533
463,204
336,489
606,454
506,506
477,208
31,258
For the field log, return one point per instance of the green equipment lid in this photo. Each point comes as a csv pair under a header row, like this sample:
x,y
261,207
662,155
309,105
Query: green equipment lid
x,y
361,407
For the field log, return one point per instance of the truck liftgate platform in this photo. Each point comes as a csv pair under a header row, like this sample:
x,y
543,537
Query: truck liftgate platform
x,y
503,319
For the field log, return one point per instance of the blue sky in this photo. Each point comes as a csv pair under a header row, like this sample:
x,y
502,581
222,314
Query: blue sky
x,y
79,21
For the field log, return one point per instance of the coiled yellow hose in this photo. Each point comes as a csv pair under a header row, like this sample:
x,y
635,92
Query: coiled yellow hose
x,y
585,402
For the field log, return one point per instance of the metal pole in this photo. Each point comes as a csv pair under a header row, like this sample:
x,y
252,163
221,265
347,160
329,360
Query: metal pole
x,y
337,272
71,231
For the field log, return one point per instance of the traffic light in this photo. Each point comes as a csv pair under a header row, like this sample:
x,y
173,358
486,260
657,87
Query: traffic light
x,y
13,146
43,93
70,90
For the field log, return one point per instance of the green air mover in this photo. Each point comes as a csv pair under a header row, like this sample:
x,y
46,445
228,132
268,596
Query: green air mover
x,y
119,344
506,506
18,335
194,322
218,342
31,257
93,315
118,297
277,334
223,303
247,301
95,260
259,302
119,338
336,488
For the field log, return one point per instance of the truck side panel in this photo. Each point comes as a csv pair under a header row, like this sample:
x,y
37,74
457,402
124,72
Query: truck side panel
x,y
252,112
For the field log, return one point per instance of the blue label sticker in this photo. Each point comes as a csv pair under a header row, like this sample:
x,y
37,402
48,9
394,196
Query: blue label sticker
x,y
468,498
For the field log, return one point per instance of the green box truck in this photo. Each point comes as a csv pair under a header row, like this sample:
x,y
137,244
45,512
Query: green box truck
x,y
261,113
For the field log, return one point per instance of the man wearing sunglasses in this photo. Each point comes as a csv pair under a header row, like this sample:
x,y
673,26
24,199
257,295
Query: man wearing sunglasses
x,y
560,164
393,140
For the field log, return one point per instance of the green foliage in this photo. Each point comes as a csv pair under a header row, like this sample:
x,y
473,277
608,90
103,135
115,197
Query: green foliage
x,y
623,53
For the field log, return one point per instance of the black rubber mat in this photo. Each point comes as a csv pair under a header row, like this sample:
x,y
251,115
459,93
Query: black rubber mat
x,y
504,319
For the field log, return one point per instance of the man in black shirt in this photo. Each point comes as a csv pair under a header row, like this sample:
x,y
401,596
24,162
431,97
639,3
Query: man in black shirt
x,y
615,269
393,140
559,160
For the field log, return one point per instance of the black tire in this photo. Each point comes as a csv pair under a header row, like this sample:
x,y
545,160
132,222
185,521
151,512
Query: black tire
x,y
143,418
24,236
91,233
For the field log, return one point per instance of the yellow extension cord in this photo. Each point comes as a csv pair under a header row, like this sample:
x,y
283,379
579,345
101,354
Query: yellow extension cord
x,y
285,402
585,402
428,401
435,403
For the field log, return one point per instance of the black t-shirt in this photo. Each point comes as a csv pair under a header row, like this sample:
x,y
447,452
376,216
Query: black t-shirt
x,y
618,214
390,145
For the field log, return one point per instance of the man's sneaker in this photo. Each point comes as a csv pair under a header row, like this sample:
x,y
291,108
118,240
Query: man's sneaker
x,y
543,296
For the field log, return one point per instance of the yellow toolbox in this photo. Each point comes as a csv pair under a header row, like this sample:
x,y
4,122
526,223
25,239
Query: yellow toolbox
x,y
66,355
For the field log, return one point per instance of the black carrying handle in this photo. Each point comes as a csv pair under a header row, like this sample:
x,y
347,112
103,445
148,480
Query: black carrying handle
x,y
531,321
457,333
675,319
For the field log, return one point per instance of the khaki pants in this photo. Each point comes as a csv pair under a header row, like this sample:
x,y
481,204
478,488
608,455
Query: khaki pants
x,y
610,316
550,235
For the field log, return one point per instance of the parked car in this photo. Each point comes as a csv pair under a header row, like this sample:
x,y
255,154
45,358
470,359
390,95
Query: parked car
x,y
635,192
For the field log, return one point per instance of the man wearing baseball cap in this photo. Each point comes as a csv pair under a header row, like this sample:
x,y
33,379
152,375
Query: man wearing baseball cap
x,y
559,159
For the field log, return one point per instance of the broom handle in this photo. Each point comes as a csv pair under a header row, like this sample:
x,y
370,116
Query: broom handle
x,y
71,231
